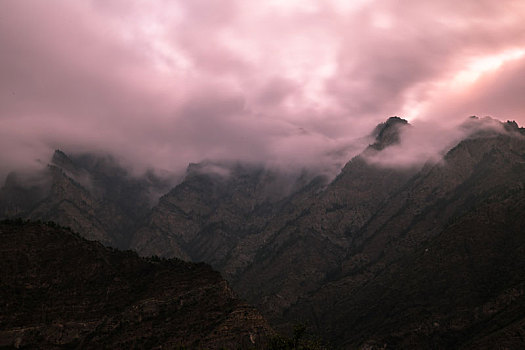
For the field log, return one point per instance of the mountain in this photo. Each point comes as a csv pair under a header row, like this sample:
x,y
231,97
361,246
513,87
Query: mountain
x,y
388,133
327,253
441,263
216,207
92,194
422,256
59,290
462,289
271,248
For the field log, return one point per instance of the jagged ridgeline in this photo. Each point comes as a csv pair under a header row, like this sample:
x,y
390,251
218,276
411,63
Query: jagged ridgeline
x,y
92,194
412,257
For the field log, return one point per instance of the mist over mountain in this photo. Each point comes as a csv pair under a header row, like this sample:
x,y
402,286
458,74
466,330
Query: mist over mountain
x,y
416,242
104,199
91,194
318,154
287,84
315,255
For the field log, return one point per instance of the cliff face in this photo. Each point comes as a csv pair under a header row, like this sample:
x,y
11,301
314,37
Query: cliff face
x,y
272,248
59,290
331,253
214,209
91,194
440,264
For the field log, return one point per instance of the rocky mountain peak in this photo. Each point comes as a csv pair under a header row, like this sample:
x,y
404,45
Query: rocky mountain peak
x,y
61,160
387,133
512,126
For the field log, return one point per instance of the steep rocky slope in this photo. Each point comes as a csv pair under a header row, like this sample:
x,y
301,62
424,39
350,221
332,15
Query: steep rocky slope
x,y
91,194
59,290
445,245
309,243
461,288
214,208
399,256
316,257
273,248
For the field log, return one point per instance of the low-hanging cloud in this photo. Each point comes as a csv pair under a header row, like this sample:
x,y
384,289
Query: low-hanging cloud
x,y
162,84
427,142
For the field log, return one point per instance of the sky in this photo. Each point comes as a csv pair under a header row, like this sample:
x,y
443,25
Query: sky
x,y
159,84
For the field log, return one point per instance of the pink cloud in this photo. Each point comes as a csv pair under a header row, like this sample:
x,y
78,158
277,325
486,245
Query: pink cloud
x,y
161,84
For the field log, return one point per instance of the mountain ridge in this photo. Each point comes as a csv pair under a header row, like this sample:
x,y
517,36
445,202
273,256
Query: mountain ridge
x,y
298,246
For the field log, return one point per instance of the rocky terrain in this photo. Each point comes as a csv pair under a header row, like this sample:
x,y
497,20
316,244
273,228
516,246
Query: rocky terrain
x,y
407,257
93,195
60,291
317,255
441,263
462,288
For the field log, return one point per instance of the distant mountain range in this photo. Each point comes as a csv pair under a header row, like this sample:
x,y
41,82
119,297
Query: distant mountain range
x,y
416,257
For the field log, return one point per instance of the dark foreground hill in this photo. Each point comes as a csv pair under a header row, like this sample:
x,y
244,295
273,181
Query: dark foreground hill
x,y
59,290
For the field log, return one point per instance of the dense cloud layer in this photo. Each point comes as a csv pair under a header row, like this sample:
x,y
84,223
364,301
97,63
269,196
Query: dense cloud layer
x,y
161,84
426,142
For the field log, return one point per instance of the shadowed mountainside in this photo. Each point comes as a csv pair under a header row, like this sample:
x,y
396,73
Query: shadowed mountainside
x,y
454,285
411,257
316,257
91,194
59,290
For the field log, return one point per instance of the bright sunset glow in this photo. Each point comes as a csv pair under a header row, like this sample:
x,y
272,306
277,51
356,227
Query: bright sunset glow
x,y
483,65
